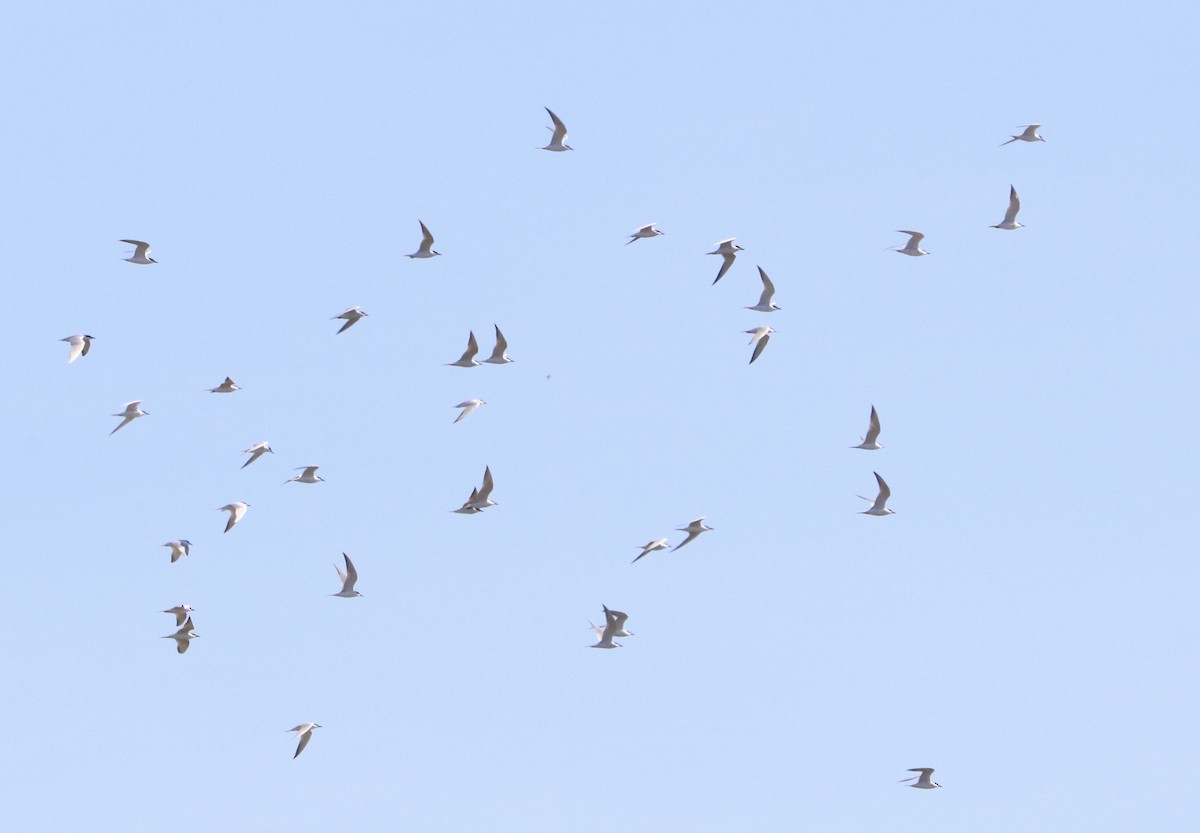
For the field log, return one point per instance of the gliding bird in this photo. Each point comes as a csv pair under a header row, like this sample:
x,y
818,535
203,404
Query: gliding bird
x,y
181,612
759,337
653,546
1009,223
236,510
227,386
924,781
309,475
80,345
468,406
693,530
913,247
348,576
645,232
351,316
426,247
141,252
304,732
728,250
467,359
558,141
871,441
499,352
765,304
1030,135
878,507
257,450
132,411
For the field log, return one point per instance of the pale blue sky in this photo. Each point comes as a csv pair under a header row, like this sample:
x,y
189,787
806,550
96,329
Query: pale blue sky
x,y
1026,622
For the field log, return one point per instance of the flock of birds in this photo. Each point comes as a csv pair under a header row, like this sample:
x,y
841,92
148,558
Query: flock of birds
x,y
480,498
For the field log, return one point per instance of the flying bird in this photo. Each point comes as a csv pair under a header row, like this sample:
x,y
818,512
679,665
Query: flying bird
x,y
644,232
611,615
693,530
132,411
351,316
426,247
1029,135
484,498
878,506
499,352
469,507
181,612
613,621
558,142
179,547
871,441
468,406
236,510
304,732
759,337
348,576
913,247
652,546
1009,223
309,475
80,345
183,636
924,781
728,250
467,359
225,387
765,304
257,450
141,252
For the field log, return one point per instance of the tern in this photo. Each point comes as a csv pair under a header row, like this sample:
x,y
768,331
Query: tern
x,y
467,359
558,142
620,623
181,612
348,576
613,622
765,304
499,352
1030,135
913,247
469,507
236,510
132,411
183,636
693,530
652,546
924,782
483,499
1009,223
728,252
426,247
257,450
141,252
304,732
759,337
878,507
351,316
227,386
644,232
468,406
80,345
871,441
309,475
179,547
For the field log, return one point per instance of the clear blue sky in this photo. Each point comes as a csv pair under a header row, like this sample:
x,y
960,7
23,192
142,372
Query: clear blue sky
x,y
1026,623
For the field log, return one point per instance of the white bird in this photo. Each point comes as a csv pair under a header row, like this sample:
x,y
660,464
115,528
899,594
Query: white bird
x,y
426,247
183,636
646,231
304,732
652,546
469,507
1030,135
924,781
871,441
728,252
348,576
613,622
483,499
878,507
141,252
620,623
236,510
558,142
179,547
468,406
759,337
309,475
468,357
257,450
913,247
80,345
227,386
693,530
132,411
351,317
765,304
181,612
1009,223
499,352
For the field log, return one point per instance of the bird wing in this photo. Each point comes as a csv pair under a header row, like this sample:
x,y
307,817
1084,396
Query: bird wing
x,y
915,237
881,501
691,536
140,247
872,429
727,259
304,739
124,422
616,616
350,322
560,129
501,344
485,491
350,576
426,239
758,348
768,289
1014,205
472,348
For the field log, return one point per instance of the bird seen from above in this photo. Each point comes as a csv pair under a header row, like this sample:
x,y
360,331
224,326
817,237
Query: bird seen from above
x,y
727,250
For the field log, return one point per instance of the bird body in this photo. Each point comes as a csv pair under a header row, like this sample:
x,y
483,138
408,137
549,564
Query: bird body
x,y
257,450
80,344
468,406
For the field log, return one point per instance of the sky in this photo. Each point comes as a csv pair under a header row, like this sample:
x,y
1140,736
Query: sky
x,y
1025,623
